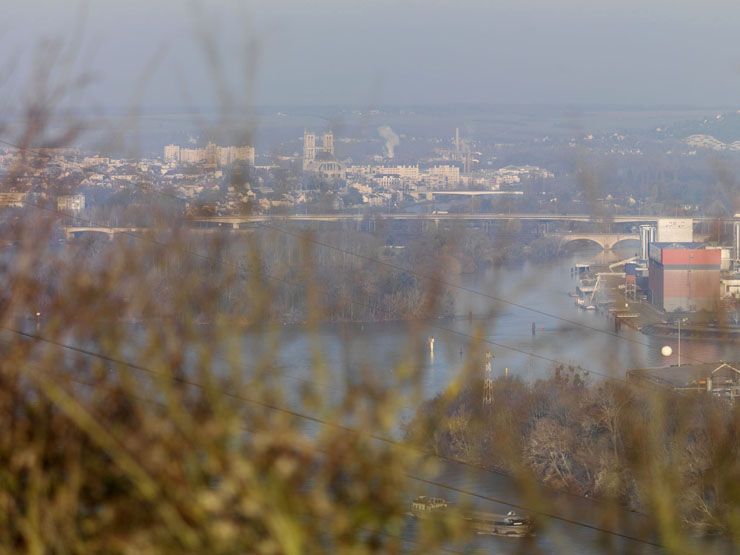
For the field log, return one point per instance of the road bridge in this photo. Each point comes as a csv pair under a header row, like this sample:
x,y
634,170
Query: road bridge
x,y
206,223
606,241
431,194
72,232
434,216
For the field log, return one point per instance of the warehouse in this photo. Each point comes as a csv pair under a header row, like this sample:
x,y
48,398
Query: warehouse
x,y
684,277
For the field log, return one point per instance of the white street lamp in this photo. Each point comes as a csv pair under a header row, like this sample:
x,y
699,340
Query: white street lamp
x,y
680,320
679,342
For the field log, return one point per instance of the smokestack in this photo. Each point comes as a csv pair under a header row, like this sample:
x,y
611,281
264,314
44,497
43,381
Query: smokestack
x,y
391,140
647,236
457,139
737,241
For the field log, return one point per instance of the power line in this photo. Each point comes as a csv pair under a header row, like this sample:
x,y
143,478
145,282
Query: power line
x,y
240,267
538,512
184,381
403,270
449,284
135,366
140,368
365,305
448,330
140,399
323,422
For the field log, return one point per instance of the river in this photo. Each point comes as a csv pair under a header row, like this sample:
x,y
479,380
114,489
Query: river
x,y
563,332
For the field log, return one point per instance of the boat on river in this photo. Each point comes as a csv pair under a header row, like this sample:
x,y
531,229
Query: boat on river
x,y
511,524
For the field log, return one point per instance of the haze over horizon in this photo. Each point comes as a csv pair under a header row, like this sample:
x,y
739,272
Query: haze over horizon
x,y
288,52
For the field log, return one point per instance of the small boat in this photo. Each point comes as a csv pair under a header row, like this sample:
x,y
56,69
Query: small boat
x,y
511,524
590,307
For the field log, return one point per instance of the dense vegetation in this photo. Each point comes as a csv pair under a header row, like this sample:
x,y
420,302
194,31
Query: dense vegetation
x,y
674,457
356,277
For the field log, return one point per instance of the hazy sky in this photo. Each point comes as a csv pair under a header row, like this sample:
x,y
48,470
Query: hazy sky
x,y
364,52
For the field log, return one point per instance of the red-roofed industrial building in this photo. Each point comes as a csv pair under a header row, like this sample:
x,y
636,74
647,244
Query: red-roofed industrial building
x,y
684,277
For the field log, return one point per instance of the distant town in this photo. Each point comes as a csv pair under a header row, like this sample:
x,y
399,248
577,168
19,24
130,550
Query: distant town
x,y
203,178
688,259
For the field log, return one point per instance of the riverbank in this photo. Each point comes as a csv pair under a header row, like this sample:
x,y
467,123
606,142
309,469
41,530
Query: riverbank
x,y
594,440
650,321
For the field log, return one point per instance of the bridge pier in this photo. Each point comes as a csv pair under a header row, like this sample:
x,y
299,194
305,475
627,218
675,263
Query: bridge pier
x,y
425,225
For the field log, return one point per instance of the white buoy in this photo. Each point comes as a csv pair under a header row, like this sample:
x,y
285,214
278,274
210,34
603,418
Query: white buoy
x,y
666,351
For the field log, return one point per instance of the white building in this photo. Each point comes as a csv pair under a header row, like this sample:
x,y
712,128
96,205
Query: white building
x,y
730,287
211,154
675,230
172,153
404,172
71,203
442,176
230,154
14,200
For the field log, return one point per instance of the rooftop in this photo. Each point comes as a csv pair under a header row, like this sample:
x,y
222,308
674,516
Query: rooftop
x,y
680,376
680,245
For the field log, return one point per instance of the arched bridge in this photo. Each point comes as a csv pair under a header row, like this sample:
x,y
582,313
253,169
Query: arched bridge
x,y
606,241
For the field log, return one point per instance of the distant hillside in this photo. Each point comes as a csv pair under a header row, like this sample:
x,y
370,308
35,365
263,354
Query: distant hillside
x,y
710,142
724,128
